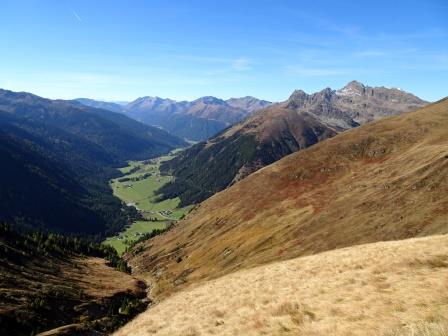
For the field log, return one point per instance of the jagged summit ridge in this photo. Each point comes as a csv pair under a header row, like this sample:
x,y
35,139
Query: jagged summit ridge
x,y
355,101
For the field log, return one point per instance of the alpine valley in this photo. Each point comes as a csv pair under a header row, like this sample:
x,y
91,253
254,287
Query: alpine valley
x,y
224,168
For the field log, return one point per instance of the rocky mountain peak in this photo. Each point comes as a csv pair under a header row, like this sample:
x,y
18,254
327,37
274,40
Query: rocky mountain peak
x,y
353,88
297,99
325,94
354,84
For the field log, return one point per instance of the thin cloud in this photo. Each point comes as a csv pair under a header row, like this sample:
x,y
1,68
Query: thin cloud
x,y
370,53
314,71
389,53
77,17
349,31
241,64
227,64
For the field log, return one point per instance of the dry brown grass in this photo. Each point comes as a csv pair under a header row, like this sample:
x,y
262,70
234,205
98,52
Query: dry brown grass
x,y
383,181
98,280
373,289
421,329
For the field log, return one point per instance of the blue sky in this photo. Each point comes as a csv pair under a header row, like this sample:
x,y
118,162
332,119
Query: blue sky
x,y
120,50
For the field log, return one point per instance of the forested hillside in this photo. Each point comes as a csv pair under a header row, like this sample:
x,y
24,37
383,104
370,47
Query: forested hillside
x,y
56,182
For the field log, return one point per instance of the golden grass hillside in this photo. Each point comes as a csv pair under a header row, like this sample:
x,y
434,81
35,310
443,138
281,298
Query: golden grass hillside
x,y
385,288
383,181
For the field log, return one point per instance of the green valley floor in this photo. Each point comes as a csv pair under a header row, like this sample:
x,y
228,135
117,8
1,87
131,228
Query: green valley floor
x,y
137,188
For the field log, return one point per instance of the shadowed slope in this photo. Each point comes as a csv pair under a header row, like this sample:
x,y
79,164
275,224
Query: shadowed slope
x,y
382,181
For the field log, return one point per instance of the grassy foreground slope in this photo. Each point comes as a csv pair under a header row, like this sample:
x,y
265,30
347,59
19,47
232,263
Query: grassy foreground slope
x,y
386,180
386,288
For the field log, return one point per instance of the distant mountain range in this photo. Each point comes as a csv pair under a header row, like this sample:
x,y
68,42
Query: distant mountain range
x,y
276,131
117,134
57,158
193,120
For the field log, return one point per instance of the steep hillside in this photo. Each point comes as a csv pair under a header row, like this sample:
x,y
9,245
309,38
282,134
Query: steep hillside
x,y
48,173
195,120
209,167
117,134
389,288
51,281
31,178
275,132
383,181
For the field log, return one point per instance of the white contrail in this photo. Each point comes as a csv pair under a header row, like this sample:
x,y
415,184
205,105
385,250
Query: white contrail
x,y
76,16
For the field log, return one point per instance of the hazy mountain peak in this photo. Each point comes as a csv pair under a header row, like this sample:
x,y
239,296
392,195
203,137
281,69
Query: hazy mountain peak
x,y
210,100
248,103
21,94
245,98
152,99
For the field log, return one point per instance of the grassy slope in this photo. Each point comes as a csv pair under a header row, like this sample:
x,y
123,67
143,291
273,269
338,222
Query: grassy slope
x,y
382,181
386,288
142,194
